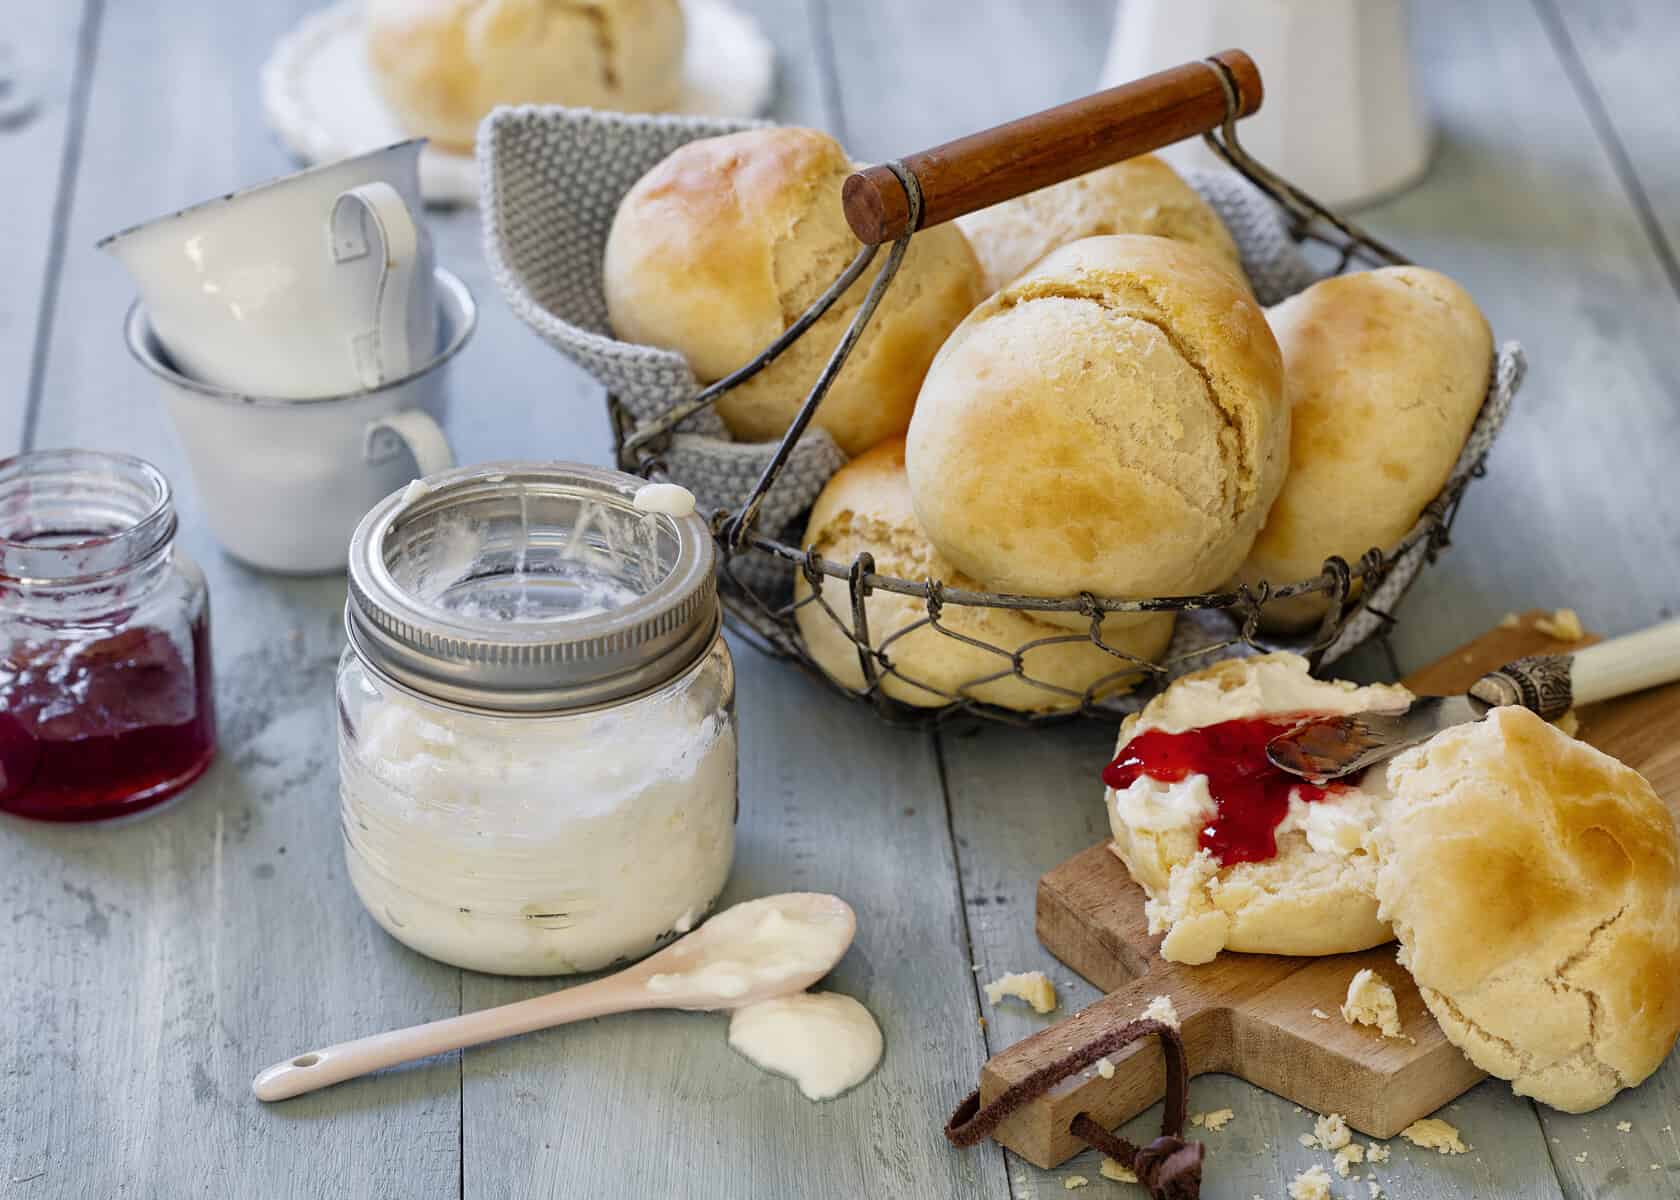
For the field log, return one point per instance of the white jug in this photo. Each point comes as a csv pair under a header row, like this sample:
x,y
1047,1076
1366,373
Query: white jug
x,y
1343,117
314,284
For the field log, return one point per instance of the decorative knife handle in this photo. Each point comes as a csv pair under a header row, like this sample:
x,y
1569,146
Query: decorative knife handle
x,y
1541,682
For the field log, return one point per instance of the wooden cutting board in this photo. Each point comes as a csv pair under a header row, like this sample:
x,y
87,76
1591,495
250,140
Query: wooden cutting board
x,y
1250,1015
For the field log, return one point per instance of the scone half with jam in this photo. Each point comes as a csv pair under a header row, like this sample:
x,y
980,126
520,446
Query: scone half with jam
x,y
1233,853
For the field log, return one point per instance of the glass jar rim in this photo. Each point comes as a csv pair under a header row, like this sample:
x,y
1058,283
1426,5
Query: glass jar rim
x,y
147,525
539,665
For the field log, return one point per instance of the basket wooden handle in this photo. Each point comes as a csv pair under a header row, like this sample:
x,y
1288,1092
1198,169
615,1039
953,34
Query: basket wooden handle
x,y
1059,143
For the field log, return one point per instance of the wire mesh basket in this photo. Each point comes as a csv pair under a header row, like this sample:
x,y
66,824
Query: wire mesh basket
x,y
885,206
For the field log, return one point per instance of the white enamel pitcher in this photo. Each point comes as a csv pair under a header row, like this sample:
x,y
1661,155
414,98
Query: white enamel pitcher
x,y
315,284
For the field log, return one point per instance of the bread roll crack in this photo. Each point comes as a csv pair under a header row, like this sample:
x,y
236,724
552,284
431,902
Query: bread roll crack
x,y
600,32
1593,935
1528,1077
1230,440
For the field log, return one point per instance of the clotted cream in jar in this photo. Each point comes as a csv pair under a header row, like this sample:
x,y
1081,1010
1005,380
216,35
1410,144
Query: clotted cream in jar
x,y
537,726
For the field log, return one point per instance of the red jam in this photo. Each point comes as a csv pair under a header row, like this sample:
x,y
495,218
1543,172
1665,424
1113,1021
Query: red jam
x,y
103,724
1251,795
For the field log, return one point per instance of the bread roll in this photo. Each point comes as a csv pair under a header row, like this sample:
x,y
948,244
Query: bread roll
x,y
1316,895
1113,421
1534,884
866,506
1140,195
442,65
722,245
1385,371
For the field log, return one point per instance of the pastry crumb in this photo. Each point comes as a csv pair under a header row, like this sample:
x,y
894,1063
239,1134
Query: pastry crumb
x,y
1117,1171
1510,621
1624,1126
1432,1133
1105,1068
1311,1184
1308,1140
1370,1001
1376,1152
1030,986
1161,1009
1581,1157
1331,1132
1563,625
1376,1189
1074,1181
1218,1119
1321,1014
1347,1156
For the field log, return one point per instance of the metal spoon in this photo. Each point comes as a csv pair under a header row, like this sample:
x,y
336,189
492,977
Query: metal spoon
x,y
712,968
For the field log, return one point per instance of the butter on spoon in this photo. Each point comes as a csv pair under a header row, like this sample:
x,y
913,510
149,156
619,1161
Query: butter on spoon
x,y
755,951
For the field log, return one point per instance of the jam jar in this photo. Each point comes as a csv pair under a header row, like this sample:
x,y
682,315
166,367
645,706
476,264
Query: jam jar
x,y
537,742
106,703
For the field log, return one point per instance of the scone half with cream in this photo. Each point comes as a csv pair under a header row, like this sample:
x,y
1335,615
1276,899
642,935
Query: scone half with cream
x,y
1235,855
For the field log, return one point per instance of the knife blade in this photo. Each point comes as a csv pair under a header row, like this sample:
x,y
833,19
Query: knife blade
x,y
1547,684
1331,747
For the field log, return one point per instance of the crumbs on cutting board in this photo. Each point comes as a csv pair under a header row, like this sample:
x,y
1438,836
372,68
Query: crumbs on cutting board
x,y
1074,1181
1213,1121
1370,1001
1161,1009
1563,625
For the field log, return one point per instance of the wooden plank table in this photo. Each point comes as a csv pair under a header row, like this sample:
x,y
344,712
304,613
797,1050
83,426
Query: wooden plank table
x,y
147,970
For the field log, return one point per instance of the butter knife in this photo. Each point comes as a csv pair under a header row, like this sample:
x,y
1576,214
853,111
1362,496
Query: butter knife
x,y
1549,684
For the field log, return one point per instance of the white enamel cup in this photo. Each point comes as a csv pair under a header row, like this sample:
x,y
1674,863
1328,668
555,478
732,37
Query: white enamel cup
x,y
314,284
283,481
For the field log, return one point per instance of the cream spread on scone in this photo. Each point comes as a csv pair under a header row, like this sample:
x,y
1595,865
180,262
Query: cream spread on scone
x,y
1314,896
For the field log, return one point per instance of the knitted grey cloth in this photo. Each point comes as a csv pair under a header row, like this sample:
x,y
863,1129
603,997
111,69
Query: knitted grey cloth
x,y
552,179
1274,264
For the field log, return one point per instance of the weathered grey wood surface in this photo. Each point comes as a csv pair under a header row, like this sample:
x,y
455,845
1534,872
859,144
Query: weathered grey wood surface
x,y
147,970
36,155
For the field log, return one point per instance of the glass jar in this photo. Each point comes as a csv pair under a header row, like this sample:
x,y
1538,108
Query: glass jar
x,y
537,724
106,704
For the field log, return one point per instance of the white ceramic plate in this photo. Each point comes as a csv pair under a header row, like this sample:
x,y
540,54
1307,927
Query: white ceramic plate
x,y
320,100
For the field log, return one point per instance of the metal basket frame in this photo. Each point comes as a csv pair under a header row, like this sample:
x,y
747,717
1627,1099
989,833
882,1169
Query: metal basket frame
x,y
770,625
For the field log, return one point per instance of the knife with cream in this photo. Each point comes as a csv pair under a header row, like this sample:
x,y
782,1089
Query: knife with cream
x,y
1550,684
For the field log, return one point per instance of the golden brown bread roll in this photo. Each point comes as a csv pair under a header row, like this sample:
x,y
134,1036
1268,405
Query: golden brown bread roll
x,y
1385,371
1112,421
442,65
866,506
723,244
1534,884
1140,195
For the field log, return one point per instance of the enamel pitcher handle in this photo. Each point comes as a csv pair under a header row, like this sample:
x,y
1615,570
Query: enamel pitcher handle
x,y
373,222
412,430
